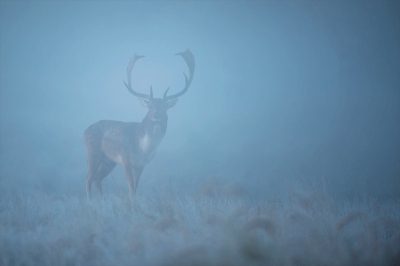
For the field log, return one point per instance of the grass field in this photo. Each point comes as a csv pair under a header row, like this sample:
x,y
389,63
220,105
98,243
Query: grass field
x,y
301,230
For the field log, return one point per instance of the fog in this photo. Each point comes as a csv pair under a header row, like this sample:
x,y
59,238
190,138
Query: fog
x,y
285,94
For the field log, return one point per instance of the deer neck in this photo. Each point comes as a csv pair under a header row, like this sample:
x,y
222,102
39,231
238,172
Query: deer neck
x,y
151,134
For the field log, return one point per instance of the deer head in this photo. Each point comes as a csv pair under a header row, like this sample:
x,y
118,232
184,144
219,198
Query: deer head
x,y
158,107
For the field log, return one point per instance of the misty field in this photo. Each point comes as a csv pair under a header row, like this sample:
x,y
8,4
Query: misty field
x,y
302,230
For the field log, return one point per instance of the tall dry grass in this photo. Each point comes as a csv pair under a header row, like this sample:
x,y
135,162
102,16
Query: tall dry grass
x,y
220,226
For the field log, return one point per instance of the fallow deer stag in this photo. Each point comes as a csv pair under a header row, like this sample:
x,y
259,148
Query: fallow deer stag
x,y
130,144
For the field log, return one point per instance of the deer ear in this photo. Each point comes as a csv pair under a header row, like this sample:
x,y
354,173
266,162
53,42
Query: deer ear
x,y
144,102
171,103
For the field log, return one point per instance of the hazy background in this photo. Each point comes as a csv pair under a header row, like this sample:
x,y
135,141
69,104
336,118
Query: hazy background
x,y
284,93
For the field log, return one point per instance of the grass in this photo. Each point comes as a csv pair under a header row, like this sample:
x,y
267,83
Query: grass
x,y
302,230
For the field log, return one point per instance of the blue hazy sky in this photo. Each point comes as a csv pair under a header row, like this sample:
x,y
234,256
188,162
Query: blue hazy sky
x,y
284,92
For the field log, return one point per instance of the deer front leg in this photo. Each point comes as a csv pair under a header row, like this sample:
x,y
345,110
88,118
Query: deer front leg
x,y
104,169
132,175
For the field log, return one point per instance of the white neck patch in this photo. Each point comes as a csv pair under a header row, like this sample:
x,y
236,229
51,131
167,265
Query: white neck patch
x,y
148,144
145,143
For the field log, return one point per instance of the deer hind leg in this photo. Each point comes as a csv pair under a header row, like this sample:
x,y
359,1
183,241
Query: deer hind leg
x,y
105,168
132,175
94,155
93,167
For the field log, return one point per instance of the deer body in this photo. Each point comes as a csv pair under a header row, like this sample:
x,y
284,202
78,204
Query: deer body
x,y
130,144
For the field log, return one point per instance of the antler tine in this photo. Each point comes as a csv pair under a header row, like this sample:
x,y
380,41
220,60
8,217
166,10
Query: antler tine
x,y
129,72
189,59
151,91
165,93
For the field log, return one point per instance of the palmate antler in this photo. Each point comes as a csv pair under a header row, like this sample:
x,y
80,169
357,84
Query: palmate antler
x,y
189,59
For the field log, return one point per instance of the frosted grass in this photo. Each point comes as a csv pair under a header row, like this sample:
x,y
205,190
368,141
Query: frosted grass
x,y
116,230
